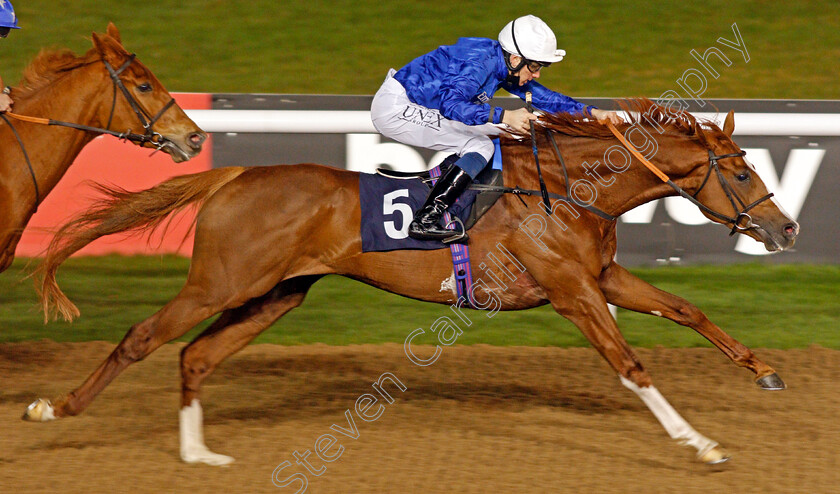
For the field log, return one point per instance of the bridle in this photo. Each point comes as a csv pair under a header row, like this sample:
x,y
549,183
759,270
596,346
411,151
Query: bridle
x,y
730,194
733,196
148,136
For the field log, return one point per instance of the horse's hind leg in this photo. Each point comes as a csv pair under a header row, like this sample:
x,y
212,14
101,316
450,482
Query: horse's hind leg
x,y
233,330
176,318
625,290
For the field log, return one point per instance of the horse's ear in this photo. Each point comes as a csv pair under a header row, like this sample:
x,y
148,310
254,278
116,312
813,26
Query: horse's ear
x,y
729,123
109,48
701,134
97,43
114,32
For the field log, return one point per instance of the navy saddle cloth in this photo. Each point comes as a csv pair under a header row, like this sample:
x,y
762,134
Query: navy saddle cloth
x,y
388,206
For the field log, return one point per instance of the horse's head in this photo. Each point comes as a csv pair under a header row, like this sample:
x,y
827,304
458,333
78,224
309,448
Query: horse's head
x,y
142,104
729,186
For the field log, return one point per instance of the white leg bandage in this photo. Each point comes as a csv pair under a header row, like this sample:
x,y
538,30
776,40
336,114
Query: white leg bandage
x,y
193,449
674,424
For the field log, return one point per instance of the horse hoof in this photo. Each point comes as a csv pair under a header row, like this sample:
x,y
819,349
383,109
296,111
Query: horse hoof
x,y
771,382
40,410
714,456
204,455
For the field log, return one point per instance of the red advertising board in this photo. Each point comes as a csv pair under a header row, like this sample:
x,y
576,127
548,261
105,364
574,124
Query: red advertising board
x,y
107,160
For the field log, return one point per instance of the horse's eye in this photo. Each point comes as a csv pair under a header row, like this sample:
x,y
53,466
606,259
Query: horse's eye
x,y
145,87
742,177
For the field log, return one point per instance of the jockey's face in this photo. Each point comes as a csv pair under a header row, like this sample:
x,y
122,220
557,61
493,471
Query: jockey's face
x,y
525,74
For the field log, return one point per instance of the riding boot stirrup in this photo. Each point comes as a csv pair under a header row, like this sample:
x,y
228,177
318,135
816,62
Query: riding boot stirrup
x,y
446,191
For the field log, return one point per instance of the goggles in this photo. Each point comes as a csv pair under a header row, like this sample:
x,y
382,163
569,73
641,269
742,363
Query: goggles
x,y
535,67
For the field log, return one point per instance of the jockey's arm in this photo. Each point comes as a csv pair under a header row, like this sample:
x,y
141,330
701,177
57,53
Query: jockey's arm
x,y
552,101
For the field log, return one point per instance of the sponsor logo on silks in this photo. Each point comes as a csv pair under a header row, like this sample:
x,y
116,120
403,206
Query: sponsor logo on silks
x,y
483,98
422,116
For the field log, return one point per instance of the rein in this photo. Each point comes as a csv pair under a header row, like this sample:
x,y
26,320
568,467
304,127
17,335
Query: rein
x,y
543,189
149,136
26,157
543,192
727,188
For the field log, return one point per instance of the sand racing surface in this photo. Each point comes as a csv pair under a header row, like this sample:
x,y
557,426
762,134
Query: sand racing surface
x,y
481,419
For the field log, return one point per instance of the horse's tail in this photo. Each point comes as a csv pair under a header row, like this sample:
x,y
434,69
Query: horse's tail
x,y
120,211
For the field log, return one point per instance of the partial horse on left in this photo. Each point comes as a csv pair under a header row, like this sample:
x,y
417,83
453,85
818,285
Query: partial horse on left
x,y
63,102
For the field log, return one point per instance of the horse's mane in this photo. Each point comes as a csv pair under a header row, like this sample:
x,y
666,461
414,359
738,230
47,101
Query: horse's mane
x,y
641,110
49,65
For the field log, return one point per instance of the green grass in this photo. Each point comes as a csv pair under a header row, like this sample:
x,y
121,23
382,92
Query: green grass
x,y
615,49
779,306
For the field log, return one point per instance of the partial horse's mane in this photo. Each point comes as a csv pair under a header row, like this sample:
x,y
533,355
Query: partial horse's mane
x,y
641,110
49,65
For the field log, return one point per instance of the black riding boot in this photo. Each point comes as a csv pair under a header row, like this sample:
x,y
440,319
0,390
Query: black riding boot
x,y
444,194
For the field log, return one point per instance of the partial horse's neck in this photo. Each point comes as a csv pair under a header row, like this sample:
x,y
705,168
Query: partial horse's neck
x,y
80,96
617,187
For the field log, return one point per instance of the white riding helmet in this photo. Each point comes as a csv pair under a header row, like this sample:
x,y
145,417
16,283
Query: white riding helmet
x,y
532,39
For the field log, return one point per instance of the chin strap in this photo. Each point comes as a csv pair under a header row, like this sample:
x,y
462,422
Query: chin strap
x,y
512,78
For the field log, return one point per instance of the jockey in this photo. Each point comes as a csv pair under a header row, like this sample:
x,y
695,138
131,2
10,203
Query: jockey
x,y
8,21
441,101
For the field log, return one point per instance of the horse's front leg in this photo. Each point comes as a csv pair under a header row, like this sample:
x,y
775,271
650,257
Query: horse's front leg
x,y
7,254
586,307
625,290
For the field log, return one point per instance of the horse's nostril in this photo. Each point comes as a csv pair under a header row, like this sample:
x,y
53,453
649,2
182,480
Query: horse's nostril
x,y
790,229
196,139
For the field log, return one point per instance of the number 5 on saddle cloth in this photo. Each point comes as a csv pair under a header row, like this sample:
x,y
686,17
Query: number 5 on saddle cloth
x,y
389,200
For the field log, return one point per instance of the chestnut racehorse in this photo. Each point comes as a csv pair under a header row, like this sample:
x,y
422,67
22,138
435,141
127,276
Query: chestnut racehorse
x,y
59,88
264,235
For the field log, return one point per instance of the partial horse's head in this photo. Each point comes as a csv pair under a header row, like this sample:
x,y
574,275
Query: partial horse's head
x,y
145,106
730,187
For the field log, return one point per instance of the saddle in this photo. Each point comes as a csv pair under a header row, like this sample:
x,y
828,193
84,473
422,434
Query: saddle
x,y
483,201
